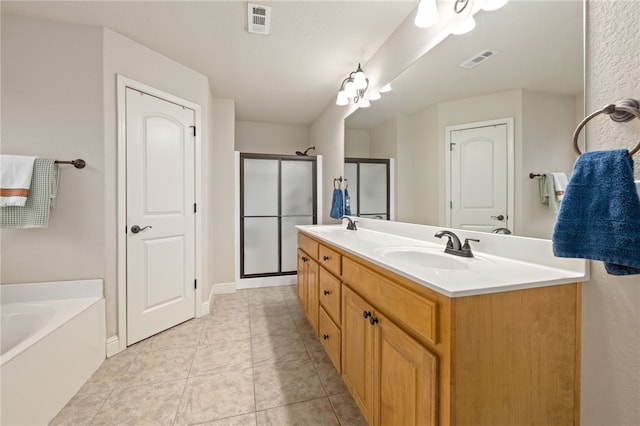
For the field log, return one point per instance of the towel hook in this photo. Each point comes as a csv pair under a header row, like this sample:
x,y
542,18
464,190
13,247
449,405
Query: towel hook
x,y
625,110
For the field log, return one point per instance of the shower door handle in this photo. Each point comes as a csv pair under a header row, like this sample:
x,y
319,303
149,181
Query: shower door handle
x,y
135,228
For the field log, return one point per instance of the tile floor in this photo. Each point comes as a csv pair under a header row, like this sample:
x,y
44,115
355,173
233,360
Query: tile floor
x,y
253,361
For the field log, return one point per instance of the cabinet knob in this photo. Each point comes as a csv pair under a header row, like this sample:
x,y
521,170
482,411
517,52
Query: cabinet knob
x,y
373,320
366,314
327,292
325,258
325,337
304,259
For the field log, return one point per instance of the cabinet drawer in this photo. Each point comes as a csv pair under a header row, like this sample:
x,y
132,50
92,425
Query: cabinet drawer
x,y
330,260
415,312
308,245
329,337
329,295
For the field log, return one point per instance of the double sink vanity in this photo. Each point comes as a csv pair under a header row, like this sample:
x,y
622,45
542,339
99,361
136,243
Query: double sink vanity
x,y
424,337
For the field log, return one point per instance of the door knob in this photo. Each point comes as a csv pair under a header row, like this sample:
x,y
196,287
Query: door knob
x,y
499,217
135,228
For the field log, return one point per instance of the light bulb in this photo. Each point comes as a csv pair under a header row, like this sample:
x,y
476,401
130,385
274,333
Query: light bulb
x,y
494,4
427,14
342,99
364,103
386,88
359,79
466,26
350,88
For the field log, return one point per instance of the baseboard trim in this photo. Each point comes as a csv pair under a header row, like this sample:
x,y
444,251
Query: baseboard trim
x,y
246,283
113,346
223,288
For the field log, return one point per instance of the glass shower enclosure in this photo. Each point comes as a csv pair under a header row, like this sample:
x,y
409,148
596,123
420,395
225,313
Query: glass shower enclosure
x,y
277,192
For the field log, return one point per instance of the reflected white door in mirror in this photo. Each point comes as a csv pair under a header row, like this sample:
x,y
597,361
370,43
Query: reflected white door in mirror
x,y
479,168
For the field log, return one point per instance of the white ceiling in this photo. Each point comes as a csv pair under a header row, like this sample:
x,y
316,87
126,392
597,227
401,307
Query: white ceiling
x,y
289,76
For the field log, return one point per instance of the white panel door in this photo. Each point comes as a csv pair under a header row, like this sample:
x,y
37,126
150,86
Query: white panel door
x,y
160,200
478,176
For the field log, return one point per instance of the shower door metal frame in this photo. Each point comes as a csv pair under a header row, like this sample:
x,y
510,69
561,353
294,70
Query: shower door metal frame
x,y
314,215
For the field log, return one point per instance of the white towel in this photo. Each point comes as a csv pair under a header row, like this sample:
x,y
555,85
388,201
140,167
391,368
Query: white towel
x,y
560,182
15,179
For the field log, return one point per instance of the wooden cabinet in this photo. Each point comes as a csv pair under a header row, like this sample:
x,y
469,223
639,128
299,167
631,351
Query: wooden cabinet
x,y
357,344
412,356
308,287
391,376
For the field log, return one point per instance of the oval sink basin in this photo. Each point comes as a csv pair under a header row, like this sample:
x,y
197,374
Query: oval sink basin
x,y
423,256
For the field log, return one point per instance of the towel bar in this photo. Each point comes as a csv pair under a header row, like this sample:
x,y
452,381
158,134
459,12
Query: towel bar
x,y
624,110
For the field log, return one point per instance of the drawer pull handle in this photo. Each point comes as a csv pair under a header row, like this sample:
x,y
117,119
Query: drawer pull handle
x,y
373,320
325,258
366,314
327,292
325,337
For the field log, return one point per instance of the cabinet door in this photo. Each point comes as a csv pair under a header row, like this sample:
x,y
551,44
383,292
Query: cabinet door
x,y
405,378
303,261
312,294
357,345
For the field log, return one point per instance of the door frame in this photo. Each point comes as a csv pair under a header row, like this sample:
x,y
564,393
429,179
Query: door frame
x,y
200,308
509,122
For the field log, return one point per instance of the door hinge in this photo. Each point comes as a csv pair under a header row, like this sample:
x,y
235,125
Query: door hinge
x,y
451,205
194,130
195,207
195,284
451,146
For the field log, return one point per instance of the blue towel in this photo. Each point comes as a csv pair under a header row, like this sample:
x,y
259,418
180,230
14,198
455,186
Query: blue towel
x,y
599,217
337,207
347,203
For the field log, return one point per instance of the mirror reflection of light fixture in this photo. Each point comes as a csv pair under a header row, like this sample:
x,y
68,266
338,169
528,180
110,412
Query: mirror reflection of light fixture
x,y
374,96
468,24
494,4
386,88
427,14
353,87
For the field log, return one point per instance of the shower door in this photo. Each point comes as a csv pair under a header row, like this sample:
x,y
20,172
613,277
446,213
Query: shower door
x,y
369,187
276,194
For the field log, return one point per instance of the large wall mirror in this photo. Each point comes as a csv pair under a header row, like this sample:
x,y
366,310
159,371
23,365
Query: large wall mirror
x,y
531,83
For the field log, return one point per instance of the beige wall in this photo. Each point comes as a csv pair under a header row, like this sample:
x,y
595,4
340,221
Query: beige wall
x,y
268,138
548,122
52,107
64,76
222,191
356,143
611,305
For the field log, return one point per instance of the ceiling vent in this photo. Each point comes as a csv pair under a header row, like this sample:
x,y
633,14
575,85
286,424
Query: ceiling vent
x,y
259,19
478,59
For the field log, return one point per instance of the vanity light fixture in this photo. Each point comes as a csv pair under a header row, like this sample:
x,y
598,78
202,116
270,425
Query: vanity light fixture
x,y
374,96
468,24
353,87
427,14
494,4
386,88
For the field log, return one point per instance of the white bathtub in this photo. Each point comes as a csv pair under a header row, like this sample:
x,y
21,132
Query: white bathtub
x,y
53,339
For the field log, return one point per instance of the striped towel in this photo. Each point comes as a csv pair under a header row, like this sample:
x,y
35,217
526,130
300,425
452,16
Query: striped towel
x,y
15,179
42,197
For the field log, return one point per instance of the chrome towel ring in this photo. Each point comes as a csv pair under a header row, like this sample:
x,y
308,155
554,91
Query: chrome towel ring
x,y
623,111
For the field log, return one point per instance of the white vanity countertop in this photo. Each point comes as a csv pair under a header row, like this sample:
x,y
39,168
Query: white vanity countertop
x,y
501,262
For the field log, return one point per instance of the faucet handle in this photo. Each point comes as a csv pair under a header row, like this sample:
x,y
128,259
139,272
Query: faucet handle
x,y
466,242
467,248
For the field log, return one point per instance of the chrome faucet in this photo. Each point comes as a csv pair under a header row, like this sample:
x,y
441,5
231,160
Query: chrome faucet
x,y
351,226
454,246
501,231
